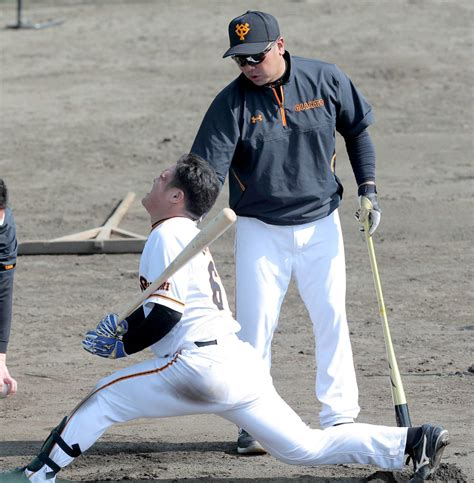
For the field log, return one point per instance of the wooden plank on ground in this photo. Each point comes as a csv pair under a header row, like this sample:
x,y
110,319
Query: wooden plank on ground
x,y
81,247
106,230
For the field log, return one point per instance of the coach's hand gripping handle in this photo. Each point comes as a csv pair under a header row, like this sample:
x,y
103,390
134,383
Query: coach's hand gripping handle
x,y
213,230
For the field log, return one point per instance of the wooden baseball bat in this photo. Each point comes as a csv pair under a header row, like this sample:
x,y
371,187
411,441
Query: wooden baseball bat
x,y
213,230
402,414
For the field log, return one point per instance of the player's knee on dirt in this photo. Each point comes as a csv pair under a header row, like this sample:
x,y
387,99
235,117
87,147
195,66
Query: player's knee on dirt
x,y
43,456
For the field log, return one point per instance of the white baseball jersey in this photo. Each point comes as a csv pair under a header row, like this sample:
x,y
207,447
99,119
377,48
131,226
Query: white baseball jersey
x,y
195,290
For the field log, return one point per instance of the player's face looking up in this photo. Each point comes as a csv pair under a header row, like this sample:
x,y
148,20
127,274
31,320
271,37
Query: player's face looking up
x,y
270,69
162,199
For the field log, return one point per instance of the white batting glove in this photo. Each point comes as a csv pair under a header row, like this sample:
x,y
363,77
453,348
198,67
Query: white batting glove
x,y
369,209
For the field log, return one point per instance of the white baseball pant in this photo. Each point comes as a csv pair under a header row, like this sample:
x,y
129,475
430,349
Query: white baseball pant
x,y
231,380
267,256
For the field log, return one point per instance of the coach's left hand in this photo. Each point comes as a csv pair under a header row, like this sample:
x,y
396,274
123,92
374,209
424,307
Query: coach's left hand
x,y
369,208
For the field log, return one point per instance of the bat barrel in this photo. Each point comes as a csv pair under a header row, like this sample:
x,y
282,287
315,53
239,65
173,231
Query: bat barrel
x,y
398,394
213,230
402,416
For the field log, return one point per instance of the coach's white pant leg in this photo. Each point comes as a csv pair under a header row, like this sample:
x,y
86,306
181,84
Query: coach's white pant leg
x,y
284,435
263,272
320,273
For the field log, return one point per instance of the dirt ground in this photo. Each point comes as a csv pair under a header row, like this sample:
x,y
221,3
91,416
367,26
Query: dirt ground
x,y
95,107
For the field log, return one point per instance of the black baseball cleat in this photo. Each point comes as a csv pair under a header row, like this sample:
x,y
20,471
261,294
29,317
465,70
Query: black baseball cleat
x,y
426,454
246,444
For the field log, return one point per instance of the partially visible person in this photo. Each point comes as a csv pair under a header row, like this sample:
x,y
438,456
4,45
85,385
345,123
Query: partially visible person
x,y
199,365
8,253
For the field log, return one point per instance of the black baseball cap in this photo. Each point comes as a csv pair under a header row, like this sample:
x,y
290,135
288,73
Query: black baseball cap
x,y
250,33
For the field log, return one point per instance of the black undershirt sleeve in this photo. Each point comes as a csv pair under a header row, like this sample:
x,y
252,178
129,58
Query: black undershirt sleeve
x,y
145,331
361,153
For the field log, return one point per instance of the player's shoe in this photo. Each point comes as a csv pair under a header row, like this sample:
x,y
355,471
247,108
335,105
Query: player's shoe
x,y
426,454
14,476
18,476
246,444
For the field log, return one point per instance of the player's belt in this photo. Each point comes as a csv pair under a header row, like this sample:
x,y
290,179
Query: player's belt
x,y
208,342
4,268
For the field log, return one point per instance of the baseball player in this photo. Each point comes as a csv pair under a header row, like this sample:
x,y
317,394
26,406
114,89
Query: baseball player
x,y
273,130
199,364
8,253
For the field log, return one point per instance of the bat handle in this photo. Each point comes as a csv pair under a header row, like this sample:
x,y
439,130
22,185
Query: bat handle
x,y
121,330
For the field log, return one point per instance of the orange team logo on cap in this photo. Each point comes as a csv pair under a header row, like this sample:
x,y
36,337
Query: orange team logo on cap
x,y
242,29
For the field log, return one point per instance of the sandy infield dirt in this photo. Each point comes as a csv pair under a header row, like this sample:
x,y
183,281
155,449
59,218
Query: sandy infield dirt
x,y
96,107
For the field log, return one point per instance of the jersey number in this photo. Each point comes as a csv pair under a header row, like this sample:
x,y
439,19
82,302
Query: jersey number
x,y
215,286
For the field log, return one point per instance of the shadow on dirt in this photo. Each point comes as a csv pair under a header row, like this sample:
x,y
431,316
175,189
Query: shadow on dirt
x,y
446,472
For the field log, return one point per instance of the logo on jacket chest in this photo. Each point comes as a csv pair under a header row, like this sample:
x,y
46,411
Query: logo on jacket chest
x,y
299,107
304,106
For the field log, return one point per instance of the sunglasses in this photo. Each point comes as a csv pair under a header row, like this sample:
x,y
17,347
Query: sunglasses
x,y
243,60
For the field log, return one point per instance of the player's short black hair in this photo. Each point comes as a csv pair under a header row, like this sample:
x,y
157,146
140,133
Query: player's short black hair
x,y
199,182
3,194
